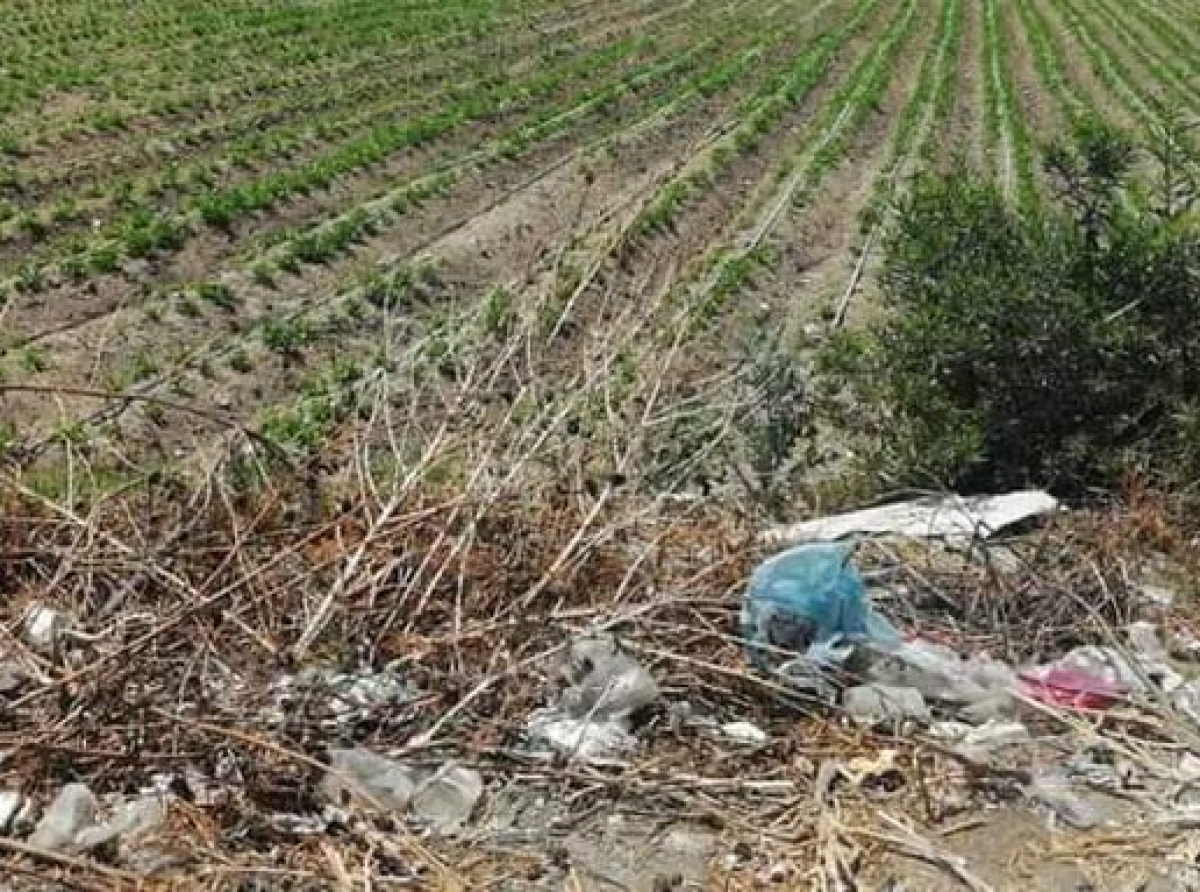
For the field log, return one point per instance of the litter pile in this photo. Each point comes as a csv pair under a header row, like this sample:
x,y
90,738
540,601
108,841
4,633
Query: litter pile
x,y
727,719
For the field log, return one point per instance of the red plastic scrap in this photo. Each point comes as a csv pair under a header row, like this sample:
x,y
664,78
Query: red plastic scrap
x,y
1072,688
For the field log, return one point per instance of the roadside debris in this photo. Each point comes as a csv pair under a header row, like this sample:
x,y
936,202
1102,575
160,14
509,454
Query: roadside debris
x,y
978,744
13,677
72,822
1063,684
592,719
946,517
360,777
809,602
44,628
445,800
129,820
72,811
441,800
16,811
878,704
345,697
1053,791
746,734
927,655
979,688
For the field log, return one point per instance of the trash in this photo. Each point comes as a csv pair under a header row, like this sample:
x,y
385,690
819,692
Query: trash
x,y
1097,767
44,627
1189,767
15,811
298,825
605,681
1054,792
347,697
73,810
1156,596
980,687
1187,700
606,687
745,733
880,770
445,800
1143,638
1066,686
1094,677
978,743
130,819
809,600
71,822
776,873
12,678
583,739
361,777
1133,670
1185,646
950,517
876,704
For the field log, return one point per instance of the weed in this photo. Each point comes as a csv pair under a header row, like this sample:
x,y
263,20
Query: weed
x,y
286,336
33,358
239,361
216,293
499,312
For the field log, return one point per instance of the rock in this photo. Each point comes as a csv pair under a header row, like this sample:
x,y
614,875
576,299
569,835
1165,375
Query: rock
x,y
73,810
445,801
129,820
363,778
44,627
874,704
745,733
138,270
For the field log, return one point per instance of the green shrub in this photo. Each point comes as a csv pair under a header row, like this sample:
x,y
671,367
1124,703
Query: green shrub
x,y
1055,344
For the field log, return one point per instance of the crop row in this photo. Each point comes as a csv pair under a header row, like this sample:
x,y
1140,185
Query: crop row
x,y
364,42
758,116
145,228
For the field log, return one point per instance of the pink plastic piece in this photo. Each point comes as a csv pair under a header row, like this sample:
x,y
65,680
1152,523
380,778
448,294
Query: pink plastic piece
x,y
1072,688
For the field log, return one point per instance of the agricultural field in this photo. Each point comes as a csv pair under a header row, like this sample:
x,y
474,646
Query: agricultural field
x,y
238,215
431,333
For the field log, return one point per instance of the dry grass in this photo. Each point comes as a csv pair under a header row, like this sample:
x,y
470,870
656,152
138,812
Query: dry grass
x,y
191,603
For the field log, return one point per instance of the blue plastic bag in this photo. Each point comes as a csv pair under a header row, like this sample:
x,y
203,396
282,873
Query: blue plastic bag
x,y
809,601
